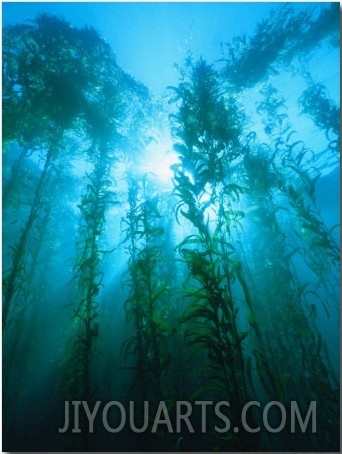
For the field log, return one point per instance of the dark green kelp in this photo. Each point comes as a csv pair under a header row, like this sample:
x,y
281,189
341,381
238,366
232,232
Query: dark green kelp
x,y
213,284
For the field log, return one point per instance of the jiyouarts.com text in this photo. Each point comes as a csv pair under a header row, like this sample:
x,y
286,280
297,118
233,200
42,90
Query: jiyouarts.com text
x,y
181,416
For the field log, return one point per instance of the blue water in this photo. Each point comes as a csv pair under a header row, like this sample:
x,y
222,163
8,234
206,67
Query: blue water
x,y
171,223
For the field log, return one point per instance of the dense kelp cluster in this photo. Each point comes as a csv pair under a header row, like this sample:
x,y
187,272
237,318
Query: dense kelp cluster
x,y
115,288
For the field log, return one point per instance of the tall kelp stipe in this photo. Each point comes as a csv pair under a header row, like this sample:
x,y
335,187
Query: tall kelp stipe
x,y
299,190
146,308
146,290
120,284
14,92
282,297
207,130
38,122
104,115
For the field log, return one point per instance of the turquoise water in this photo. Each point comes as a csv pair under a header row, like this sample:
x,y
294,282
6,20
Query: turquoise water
x,y
171,226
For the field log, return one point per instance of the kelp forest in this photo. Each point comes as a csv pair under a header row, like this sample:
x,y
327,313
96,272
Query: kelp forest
x,y
212,278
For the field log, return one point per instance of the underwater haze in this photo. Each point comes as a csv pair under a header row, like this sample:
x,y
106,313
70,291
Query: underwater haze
x,y
170,179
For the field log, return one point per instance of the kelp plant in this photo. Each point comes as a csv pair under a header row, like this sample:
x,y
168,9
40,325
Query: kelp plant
x,y
207,129
117,286
255,275
146,350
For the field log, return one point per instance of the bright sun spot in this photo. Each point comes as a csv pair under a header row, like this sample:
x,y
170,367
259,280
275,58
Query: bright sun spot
x,y
158,158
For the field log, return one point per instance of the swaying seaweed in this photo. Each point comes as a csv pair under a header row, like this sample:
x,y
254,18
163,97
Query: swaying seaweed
x,y
117,288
